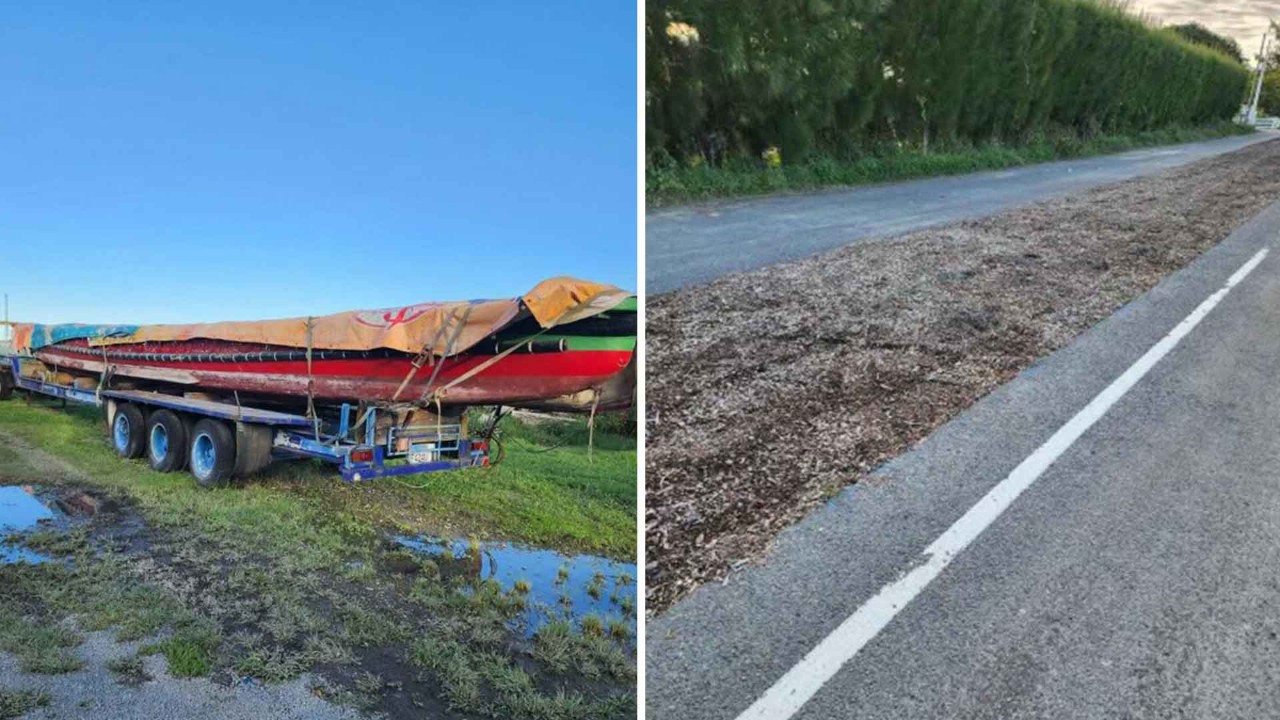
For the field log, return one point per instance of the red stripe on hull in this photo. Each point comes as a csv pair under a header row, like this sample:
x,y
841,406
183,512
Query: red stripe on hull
x,y
514,378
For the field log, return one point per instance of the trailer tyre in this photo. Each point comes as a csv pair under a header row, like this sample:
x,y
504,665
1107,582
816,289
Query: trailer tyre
x,y
6,384
129,432
213,453
166,441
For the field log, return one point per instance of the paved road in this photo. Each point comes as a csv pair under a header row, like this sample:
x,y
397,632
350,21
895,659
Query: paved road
x,y
1138,577
694,244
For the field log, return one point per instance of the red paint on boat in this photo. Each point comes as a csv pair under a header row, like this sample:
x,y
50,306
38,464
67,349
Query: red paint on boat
x,y
514,378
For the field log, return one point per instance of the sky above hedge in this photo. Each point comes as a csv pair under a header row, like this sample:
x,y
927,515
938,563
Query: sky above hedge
x,y
1244,20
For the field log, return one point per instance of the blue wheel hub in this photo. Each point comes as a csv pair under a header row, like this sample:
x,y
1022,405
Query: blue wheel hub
x,y
120,431
203,456
159,442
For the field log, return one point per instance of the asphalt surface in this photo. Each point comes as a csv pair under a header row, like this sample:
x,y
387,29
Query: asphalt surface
x,y
1138,577
694,244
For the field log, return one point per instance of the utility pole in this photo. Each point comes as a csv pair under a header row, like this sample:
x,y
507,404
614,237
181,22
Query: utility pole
x,y
1251,117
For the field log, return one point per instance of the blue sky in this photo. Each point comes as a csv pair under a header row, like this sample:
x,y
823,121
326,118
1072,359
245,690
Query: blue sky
x,y
160,163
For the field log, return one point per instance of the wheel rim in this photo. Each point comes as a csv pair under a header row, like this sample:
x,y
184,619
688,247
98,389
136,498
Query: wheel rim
x,y
120,431
159,442
203,455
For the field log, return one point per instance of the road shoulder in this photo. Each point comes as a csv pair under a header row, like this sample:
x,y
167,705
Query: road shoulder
x,y
719,649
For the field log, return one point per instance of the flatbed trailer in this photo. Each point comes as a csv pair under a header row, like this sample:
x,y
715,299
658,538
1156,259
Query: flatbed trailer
x,y
217,440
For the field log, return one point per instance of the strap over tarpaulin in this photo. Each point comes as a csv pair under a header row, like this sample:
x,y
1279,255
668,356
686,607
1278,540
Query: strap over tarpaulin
x,y
557,301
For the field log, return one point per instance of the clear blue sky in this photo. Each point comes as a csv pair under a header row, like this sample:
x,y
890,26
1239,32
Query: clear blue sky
x,y
165,164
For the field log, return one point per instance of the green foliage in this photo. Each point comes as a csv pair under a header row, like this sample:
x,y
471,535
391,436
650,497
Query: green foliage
x,y
737,177
1201,35
1269,101
855,78
40,648
190,650
129,670
14,703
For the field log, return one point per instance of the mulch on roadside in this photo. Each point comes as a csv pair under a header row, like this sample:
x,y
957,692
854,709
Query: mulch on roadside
x,y
770,390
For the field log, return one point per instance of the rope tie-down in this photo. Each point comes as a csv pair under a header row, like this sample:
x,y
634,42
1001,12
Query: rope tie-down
x,y
432,395
591,423
437,364
440,393
429,353
103,379
311,382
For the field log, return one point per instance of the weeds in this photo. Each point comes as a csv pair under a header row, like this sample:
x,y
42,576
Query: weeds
x,y
595,588
554,645
367,628
271,664
369,683
190,650
670,182
39,647
592,625
129,670
619,630
14,703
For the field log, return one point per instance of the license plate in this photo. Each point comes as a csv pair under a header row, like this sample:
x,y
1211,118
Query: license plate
x,y
423,454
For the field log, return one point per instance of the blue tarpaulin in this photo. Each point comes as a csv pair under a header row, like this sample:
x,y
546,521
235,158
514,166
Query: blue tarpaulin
x,y
42,335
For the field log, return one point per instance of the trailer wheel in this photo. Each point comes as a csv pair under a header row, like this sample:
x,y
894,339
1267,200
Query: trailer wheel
x,y
213,453
6,384
166,441
129,431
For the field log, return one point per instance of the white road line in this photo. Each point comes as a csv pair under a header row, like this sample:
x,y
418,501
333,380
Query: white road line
x,y
803,681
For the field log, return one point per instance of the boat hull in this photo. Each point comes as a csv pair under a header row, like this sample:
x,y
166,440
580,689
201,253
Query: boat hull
x,y
514,379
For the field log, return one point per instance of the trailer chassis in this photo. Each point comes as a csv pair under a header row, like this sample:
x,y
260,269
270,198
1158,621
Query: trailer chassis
x,y
262,436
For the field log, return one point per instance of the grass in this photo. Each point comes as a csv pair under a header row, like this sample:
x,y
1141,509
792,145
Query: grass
x,y
99,590
670,182
270,664
619,630
191,651
14,703
40,647
289,571
550,497
129,670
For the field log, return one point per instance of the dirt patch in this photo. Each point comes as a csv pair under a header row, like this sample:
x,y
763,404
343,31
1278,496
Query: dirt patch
x,y
770,390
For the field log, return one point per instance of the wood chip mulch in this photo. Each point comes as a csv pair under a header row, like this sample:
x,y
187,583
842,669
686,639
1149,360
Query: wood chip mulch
x,y
770,390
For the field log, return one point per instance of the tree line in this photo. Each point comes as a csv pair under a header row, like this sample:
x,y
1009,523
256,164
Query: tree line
x,y
847,77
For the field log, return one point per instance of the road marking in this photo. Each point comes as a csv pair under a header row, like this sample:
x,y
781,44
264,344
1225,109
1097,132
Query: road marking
x,y
803,681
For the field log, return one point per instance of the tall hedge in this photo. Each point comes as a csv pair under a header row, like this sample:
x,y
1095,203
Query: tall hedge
x,y
734,77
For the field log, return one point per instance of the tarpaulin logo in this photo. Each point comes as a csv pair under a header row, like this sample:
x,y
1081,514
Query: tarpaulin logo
x,y
391,317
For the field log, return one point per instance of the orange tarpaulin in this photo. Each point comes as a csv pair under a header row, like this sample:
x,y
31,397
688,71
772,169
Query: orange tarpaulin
x,y
553,302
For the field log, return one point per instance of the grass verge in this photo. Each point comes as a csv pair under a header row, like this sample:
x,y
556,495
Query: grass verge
x,y
668,181
290,573
546,491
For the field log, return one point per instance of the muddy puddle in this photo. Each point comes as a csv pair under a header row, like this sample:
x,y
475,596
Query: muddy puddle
x,y
24,508
558,585
21,510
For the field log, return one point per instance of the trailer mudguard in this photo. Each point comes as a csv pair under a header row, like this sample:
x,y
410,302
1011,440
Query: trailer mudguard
x,y
253,448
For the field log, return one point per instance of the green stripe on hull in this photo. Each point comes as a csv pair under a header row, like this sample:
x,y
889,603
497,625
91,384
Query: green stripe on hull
x,y
580,342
